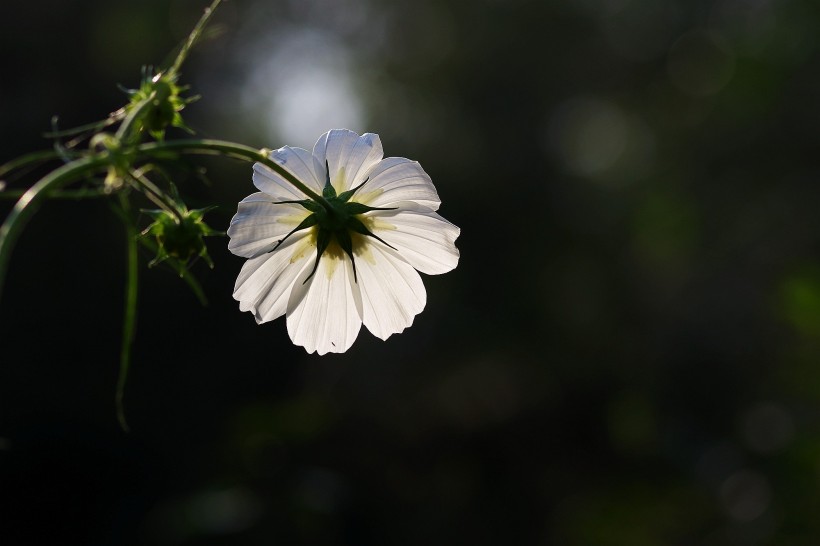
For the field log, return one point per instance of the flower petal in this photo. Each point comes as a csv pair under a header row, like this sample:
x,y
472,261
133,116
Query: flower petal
x,y
392,291
324,313
348,155
265,282
397,179
423,238
259,224
298,162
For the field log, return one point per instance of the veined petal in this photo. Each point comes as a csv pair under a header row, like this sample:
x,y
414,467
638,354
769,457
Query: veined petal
x,y
422,238
265,282
324,313
259,224
298,162
348,155
392,291
397,179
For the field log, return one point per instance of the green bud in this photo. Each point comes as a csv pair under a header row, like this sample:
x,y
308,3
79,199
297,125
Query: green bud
x,y
179,235
166,104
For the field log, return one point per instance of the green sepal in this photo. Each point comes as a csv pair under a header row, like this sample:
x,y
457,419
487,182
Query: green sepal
x,y
322,242
328,192
360,208
346,242
309,204
356,225
345,196
310,221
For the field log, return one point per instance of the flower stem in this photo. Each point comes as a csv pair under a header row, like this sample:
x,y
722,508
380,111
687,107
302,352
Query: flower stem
x,y
28,160
30,200
230,149
129,311
66,194
192,38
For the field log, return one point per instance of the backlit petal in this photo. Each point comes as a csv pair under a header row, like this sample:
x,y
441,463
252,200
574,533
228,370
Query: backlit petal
x,y
392,291
349,156
324,313
397,179
422,237
298,162
265,282
259,225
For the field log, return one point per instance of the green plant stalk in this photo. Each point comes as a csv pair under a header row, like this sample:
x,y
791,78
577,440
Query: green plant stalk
x,y
192,38
230,149
70,195
27,204
30,200
28,160
130,309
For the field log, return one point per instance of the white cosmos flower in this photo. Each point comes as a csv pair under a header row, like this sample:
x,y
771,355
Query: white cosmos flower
x,y
331,271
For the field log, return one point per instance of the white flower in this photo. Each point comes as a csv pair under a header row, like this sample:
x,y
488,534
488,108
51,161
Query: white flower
x,y
330,270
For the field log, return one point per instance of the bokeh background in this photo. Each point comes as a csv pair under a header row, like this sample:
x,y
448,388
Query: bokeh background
x,y
627,354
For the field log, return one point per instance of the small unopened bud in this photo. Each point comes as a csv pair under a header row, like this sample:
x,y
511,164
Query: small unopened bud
x,y
165,104
179,235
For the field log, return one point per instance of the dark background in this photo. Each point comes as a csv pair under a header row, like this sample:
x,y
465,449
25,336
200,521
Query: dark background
x,y
627,354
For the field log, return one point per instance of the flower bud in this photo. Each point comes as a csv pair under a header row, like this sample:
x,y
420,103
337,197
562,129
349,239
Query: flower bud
x,y
166,104
178,235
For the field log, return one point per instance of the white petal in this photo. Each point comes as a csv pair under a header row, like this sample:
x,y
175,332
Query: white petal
x,y
265,282
392,291
299,163
259,224
397,179
348,155
324,313
422,238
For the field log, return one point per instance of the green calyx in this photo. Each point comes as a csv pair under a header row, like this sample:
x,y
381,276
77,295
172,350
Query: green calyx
x,y
336,220
178,235
166,103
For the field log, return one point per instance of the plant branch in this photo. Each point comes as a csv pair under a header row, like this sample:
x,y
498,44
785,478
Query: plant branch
x,y
230,149
30,200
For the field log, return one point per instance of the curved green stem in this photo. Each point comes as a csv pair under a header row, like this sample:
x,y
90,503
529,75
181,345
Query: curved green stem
x,y
230,149
27,160
30,200
66,194
129,311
